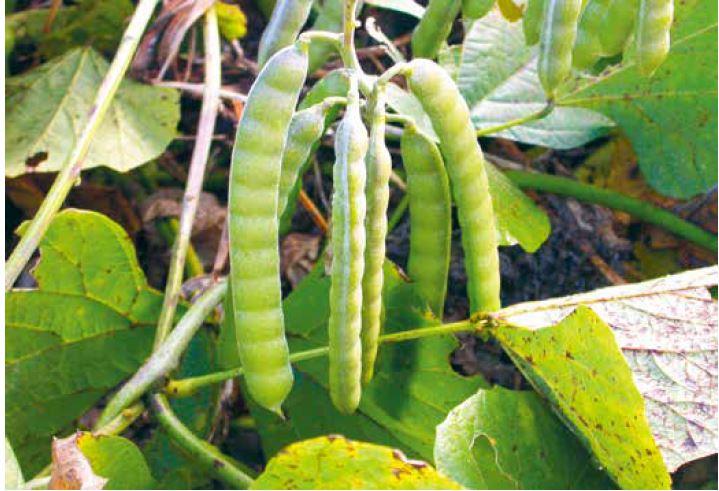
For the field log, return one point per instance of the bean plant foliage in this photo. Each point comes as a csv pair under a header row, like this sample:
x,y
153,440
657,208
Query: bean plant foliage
x,y
318,338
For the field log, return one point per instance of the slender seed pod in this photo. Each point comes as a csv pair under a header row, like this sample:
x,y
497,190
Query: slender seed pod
x,y
652,34
587,47
559,30
532,21
335,84
434,27
253,226
348,244
379,168
286,22
430,214
450,117
618,22
305,130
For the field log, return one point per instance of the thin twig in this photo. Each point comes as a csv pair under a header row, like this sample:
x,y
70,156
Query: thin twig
x,y
311,208
73,164
542,113
167,356
223,251
318,184
200,153
52,14
199,89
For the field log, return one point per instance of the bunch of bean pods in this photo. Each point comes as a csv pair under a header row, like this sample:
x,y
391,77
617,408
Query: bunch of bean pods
x,y
278,134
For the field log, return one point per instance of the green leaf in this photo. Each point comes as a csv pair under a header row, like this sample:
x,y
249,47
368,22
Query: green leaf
x,y
666,329
333,462
49,106
402,404
116,459
498,78
232,21
503,439
519,219
96,23
579,368
671,118
13,473
87,326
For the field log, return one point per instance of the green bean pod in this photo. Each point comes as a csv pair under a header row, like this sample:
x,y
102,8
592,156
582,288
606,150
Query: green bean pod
x,y
379,168
306,129
430,215
434,27
532,21
587,47
618,22
652,34
348,244
334,84
450,117
284,26
559,30
253,226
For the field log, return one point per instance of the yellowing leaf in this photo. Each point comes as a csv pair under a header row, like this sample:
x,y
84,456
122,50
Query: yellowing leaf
x,y
232,21
510,10
666,329
579,368
334,462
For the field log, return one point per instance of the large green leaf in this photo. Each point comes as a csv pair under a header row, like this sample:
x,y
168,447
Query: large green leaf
x,y
670,118
413,389
666,329
48,108
498,77
333,462
88,325
503,439
116,459
579,368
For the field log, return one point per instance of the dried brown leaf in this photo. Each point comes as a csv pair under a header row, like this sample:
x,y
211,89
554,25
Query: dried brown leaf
x,y
70,467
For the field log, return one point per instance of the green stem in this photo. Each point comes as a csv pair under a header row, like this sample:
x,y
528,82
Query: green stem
x,y
544,112
208,456
188,386
73,164
200,153
611,199
167,356
398,213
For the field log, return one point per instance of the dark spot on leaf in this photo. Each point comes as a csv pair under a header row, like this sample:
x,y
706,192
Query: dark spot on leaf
x,y
217,464
569,355
36,159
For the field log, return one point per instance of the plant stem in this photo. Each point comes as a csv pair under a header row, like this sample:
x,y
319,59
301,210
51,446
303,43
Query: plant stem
x,y
168,229
208,456
166,357
188,386
611,199
73,164
398,213
205,130
544,112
